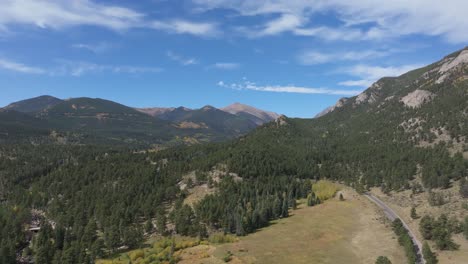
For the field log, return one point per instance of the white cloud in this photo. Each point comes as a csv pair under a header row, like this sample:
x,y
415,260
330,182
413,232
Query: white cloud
x,y
75,68
226,65
180,59
79,68
19,67
95,48
340,33
58,14
361,83
369,74
186,27
315,57
388,18
247,85
285,22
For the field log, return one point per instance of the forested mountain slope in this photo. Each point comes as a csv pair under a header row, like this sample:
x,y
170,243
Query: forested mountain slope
x,y
99,121
399,132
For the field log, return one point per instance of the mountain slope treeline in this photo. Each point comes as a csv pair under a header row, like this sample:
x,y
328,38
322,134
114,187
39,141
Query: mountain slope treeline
x,y
398,134
46,119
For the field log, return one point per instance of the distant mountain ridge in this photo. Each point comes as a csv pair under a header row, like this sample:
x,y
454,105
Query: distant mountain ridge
x,y
35,104
110,120
181,113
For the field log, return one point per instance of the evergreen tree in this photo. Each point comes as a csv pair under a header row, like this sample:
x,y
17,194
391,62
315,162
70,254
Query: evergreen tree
x,y
414,215
112,238
383,260
426,226
464,187
465,227
285,208
429,256
44,249
133,236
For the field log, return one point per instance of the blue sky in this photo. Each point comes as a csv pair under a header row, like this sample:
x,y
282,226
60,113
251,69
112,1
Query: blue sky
x,y
294,57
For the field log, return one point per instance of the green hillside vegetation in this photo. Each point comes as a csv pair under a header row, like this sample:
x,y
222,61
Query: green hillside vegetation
x,y
101,194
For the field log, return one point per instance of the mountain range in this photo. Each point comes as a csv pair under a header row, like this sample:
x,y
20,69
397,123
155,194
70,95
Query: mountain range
x,y
85,163
110,121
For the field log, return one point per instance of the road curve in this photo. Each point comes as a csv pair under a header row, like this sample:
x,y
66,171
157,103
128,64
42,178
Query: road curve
x,y
391,215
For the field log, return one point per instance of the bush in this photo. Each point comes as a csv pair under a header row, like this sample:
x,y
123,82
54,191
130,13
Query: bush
x,y
324,190
219,238
436,199
383,260
429,256
465,228
227,257
464,188
136,254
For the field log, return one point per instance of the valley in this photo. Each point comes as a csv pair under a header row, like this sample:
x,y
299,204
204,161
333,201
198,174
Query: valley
x,y
96,179
349,231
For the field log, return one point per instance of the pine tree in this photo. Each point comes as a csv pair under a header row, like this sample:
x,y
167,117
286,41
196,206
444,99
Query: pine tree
x,y
465,227
426,227
464,188
383,260
148,226
429,256
285,209
414,215
311,199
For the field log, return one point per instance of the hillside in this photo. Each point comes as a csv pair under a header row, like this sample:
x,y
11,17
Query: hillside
x,y
233,113
99,121
404,134
256,115
34,105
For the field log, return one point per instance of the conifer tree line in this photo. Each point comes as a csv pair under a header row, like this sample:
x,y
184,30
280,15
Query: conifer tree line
x,y
405,241
97,198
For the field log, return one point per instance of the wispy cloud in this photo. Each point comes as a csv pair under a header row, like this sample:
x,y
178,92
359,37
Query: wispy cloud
x,y
95,48
225,65
186,27
369,74
247,85
20,67
181,59
316,57
58,14
285,22
75,68
390,19
79,68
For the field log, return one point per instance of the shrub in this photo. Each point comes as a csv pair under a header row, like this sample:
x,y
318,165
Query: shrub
x,y
227,257
383,260
324,190
136,254
219,238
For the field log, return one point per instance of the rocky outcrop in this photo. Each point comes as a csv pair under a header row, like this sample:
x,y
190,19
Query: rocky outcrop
x,y
330,109
450,64
417,98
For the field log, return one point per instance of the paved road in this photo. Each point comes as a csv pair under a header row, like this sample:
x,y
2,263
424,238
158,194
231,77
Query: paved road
x,y
392,216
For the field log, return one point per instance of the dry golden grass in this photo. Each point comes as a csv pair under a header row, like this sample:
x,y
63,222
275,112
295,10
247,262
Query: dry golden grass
x,y
332,232
350,231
